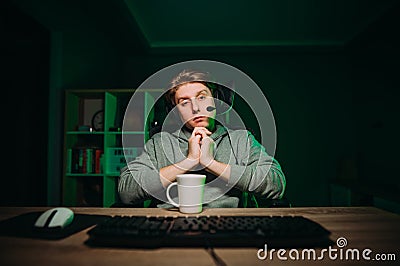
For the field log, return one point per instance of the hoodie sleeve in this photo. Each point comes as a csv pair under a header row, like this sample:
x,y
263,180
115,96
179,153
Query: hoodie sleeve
x,y
256,171
140,177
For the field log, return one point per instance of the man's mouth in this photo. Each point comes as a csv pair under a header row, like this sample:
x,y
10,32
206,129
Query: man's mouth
x,y
199,118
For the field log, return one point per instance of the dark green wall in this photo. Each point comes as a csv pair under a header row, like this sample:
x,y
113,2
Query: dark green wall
x,y
375,102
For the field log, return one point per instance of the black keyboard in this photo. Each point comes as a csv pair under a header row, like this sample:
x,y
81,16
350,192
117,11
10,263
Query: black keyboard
x,y
209,231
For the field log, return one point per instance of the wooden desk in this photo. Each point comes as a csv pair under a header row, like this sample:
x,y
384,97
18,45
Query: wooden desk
x,y
363,227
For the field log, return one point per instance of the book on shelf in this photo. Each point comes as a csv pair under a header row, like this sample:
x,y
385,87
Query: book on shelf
x,y
84,160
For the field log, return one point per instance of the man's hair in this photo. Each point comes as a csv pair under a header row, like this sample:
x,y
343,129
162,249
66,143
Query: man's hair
x,y
184,77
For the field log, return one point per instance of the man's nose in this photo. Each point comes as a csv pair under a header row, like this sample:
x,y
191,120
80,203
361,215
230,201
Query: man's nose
x,y
195,106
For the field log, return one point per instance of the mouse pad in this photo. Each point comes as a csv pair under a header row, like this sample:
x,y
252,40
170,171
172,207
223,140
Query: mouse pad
x,y
23,226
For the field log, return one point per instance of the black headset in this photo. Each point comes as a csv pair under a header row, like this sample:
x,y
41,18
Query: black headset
x,y
223,94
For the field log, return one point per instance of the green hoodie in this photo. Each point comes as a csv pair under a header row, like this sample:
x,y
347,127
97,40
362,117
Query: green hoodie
x,y
252,169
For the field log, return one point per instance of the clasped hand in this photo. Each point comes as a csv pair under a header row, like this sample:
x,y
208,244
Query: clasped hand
x,y
201,146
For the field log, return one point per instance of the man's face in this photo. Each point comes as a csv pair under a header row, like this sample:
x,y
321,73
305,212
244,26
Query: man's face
x,y
192,100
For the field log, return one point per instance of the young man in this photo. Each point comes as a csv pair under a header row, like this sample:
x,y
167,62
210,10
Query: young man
x,y
233,160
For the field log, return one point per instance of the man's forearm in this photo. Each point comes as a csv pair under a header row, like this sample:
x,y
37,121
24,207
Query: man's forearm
x,y
168,173
219,169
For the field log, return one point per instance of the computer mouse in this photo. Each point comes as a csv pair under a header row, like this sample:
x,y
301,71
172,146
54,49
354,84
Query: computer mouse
x,y
55,217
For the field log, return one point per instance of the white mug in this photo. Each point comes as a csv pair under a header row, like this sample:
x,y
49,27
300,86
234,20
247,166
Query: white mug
x,y
190,193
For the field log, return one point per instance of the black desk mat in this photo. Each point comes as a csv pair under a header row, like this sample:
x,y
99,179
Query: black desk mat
x,y
23,226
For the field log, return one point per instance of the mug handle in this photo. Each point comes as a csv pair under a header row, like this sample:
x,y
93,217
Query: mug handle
x,y
169,197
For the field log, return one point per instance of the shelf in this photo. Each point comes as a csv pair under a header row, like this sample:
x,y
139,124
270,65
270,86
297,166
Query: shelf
x,y
83,174
105,132
112,174
85,133
81,188
126,132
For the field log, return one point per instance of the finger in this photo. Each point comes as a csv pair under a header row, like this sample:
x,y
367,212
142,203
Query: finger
x,y
195,138
204,129
207,141
201,132
196,131
198,138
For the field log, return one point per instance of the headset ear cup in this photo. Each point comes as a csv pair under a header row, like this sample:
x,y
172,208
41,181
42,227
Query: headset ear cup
x,y
216,99
218,95
224,98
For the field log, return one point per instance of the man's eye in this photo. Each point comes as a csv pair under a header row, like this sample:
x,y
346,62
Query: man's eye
x,y
201,98
184,103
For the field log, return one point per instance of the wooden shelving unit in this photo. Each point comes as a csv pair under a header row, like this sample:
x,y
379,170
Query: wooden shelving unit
x,y
82,184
